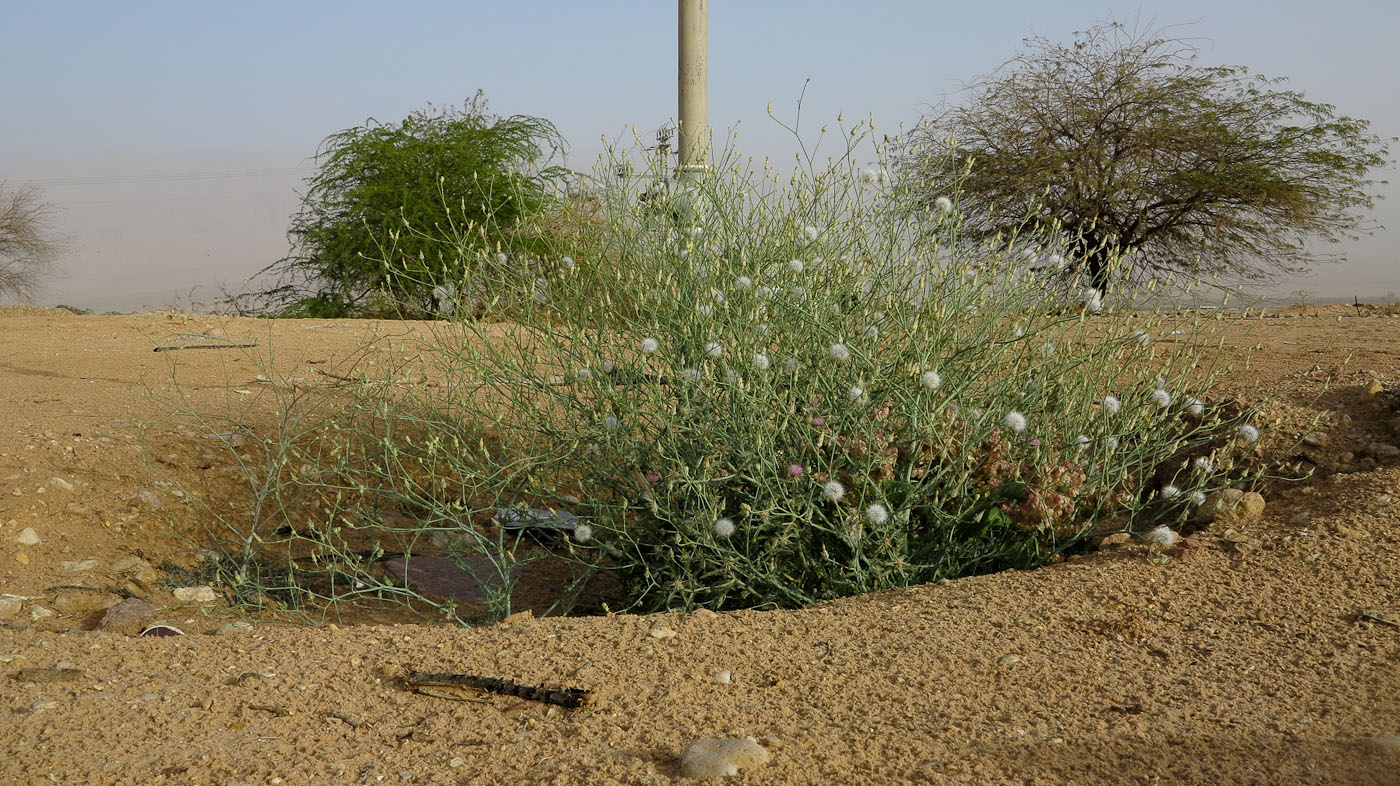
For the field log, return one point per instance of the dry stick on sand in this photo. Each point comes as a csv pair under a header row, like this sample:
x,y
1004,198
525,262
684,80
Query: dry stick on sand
x,y
204,346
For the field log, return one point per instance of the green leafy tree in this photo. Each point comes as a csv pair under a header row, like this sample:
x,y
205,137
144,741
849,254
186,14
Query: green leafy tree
x,y
1143,162
384,194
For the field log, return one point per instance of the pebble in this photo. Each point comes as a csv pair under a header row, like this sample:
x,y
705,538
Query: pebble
x,y
1009,660
37,612
10,607
26,537
663,632
60,483
234,627
80,565
200,594
715,758
724,676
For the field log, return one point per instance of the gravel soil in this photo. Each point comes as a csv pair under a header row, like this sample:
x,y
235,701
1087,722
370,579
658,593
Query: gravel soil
x,y
1263,652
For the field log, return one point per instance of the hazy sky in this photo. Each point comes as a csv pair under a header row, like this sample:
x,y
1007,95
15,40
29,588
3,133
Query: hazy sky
x,y
173,136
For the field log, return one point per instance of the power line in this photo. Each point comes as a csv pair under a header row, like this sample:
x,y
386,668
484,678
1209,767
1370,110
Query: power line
x,y
173,177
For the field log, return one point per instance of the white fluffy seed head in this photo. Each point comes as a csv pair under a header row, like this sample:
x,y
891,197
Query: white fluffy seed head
x,y
760,361
1081,441
582,533
608,367
877,514
944,204
1111,405
872,332
810,234
1198,498
795,265
792,365
931,380
650,345
743,282
839,352
833,490
714,351
584,373
691,374
1249,433
1203,464
1092,300
611,423
856,393
1195,406
1047,348
1161,398
724,528
1162,536
1169,491
1015,421
1141,336
1111,443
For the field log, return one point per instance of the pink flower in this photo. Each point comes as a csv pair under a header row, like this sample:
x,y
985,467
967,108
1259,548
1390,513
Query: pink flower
x,y
818,421
795,470
652,477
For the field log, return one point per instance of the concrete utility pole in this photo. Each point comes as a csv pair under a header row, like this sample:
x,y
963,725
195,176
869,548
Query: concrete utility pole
x,y
693,85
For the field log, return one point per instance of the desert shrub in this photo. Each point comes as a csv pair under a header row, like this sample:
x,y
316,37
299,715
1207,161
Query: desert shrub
x,y
815,389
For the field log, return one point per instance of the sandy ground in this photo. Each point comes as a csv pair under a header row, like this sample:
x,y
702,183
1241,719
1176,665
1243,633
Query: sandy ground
x,y
1268,655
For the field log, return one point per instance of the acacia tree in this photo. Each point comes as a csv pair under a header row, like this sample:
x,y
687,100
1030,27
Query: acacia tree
x,y
1144,162
385,194
28,247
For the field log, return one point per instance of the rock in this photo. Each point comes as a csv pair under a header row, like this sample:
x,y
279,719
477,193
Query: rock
x,y
662,632
10,608
1374,388
37,612
61,484
712,758
1009,660
26,537
201,594
724,676
1316,439
80,566
127,616
234,627
78,602
1231,505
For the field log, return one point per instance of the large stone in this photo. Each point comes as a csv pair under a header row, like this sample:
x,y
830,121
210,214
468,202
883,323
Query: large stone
x,y
712,758
26,537
10,608
78,602
127,617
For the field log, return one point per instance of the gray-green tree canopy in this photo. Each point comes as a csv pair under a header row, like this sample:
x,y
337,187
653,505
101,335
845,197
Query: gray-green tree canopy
x,y
1141,162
